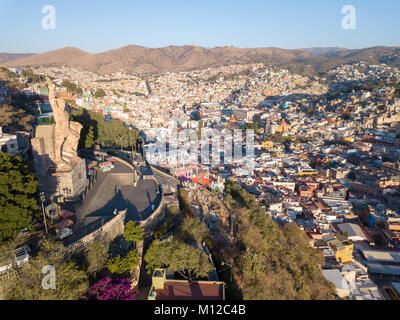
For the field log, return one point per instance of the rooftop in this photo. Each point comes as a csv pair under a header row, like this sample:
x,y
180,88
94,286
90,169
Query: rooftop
x,y
185,290
383,256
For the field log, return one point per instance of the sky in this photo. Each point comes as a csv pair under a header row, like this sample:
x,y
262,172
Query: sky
x,y
96,25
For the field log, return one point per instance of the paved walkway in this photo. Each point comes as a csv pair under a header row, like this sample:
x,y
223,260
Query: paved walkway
x,y
114,190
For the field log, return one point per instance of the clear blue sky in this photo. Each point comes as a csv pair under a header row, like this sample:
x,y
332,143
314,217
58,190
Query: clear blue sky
x,y
97,25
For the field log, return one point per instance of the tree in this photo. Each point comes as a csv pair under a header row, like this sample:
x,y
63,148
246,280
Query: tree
x,y
113,133
352,175
288,139
99,93
174,216
14,119
89,140
184,202
272,262
111,289
122,266
32,77
192,230
250,126
161,230
96,257
18,191
71,282
133,232
177,256
72,87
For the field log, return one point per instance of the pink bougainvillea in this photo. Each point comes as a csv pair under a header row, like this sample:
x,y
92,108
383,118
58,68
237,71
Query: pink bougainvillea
x,y
112,289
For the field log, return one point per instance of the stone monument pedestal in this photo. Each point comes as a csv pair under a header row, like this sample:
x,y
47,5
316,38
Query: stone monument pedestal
x,y
72,183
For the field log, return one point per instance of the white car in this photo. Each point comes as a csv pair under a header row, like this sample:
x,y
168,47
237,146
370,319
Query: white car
x,y
62,234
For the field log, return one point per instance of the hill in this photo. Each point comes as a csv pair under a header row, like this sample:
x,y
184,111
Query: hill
x,y
55,57
322,50
271,262
137,59
388,55
6,57
134,59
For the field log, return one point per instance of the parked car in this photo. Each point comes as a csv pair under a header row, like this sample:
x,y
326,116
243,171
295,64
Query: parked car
x,y
64,233
107,166
65,223
64,214
111,159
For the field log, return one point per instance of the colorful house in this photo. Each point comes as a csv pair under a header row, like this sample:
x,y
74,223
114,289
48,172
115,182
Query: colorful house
x,y
203,179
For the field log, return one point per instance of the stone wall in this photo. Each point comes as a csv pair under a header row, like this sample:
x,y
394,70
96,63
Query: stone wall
x,y
156,217
107,232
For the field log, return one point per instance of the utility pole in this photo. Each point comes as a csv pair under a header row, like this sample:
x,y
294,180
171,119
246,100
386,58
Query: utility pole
x,y
42,199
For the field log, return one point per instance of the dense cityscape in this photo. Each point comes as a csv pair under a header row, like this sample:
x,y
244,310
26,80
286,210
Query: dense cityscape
x,y
258,176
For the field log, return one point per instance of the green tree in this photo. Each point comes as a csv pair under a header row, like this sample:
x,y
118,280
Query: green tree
x,y
161,230
14,119
133,232
184,202
192,230
18,191
272,262
122,266
113,133
72,87
32,77
89,140
99,93
177,256
96,257
250,126
71,282
174,216
288,139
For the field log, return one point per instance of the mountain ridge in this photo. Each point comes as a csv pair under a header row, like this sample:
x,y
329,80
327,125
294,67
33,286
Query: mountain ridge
x,y
139,59
6,57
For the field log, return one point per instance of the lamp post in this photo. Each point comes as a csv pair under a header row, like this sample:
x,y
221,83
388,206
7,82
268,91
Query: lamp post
x,y
224,263
42,199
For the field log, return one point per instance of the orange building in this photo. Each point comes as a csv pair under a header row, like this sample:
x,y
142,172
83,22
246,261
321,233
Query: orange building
x,y
203,179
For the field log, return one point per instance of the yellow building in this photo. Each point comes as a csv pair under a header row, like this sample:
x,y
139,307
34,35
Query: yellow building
x,y
343,250
267,144
308,172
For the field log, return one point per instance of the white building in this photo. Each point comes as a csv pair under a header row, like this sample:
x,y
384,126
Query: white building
x,y
8,143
